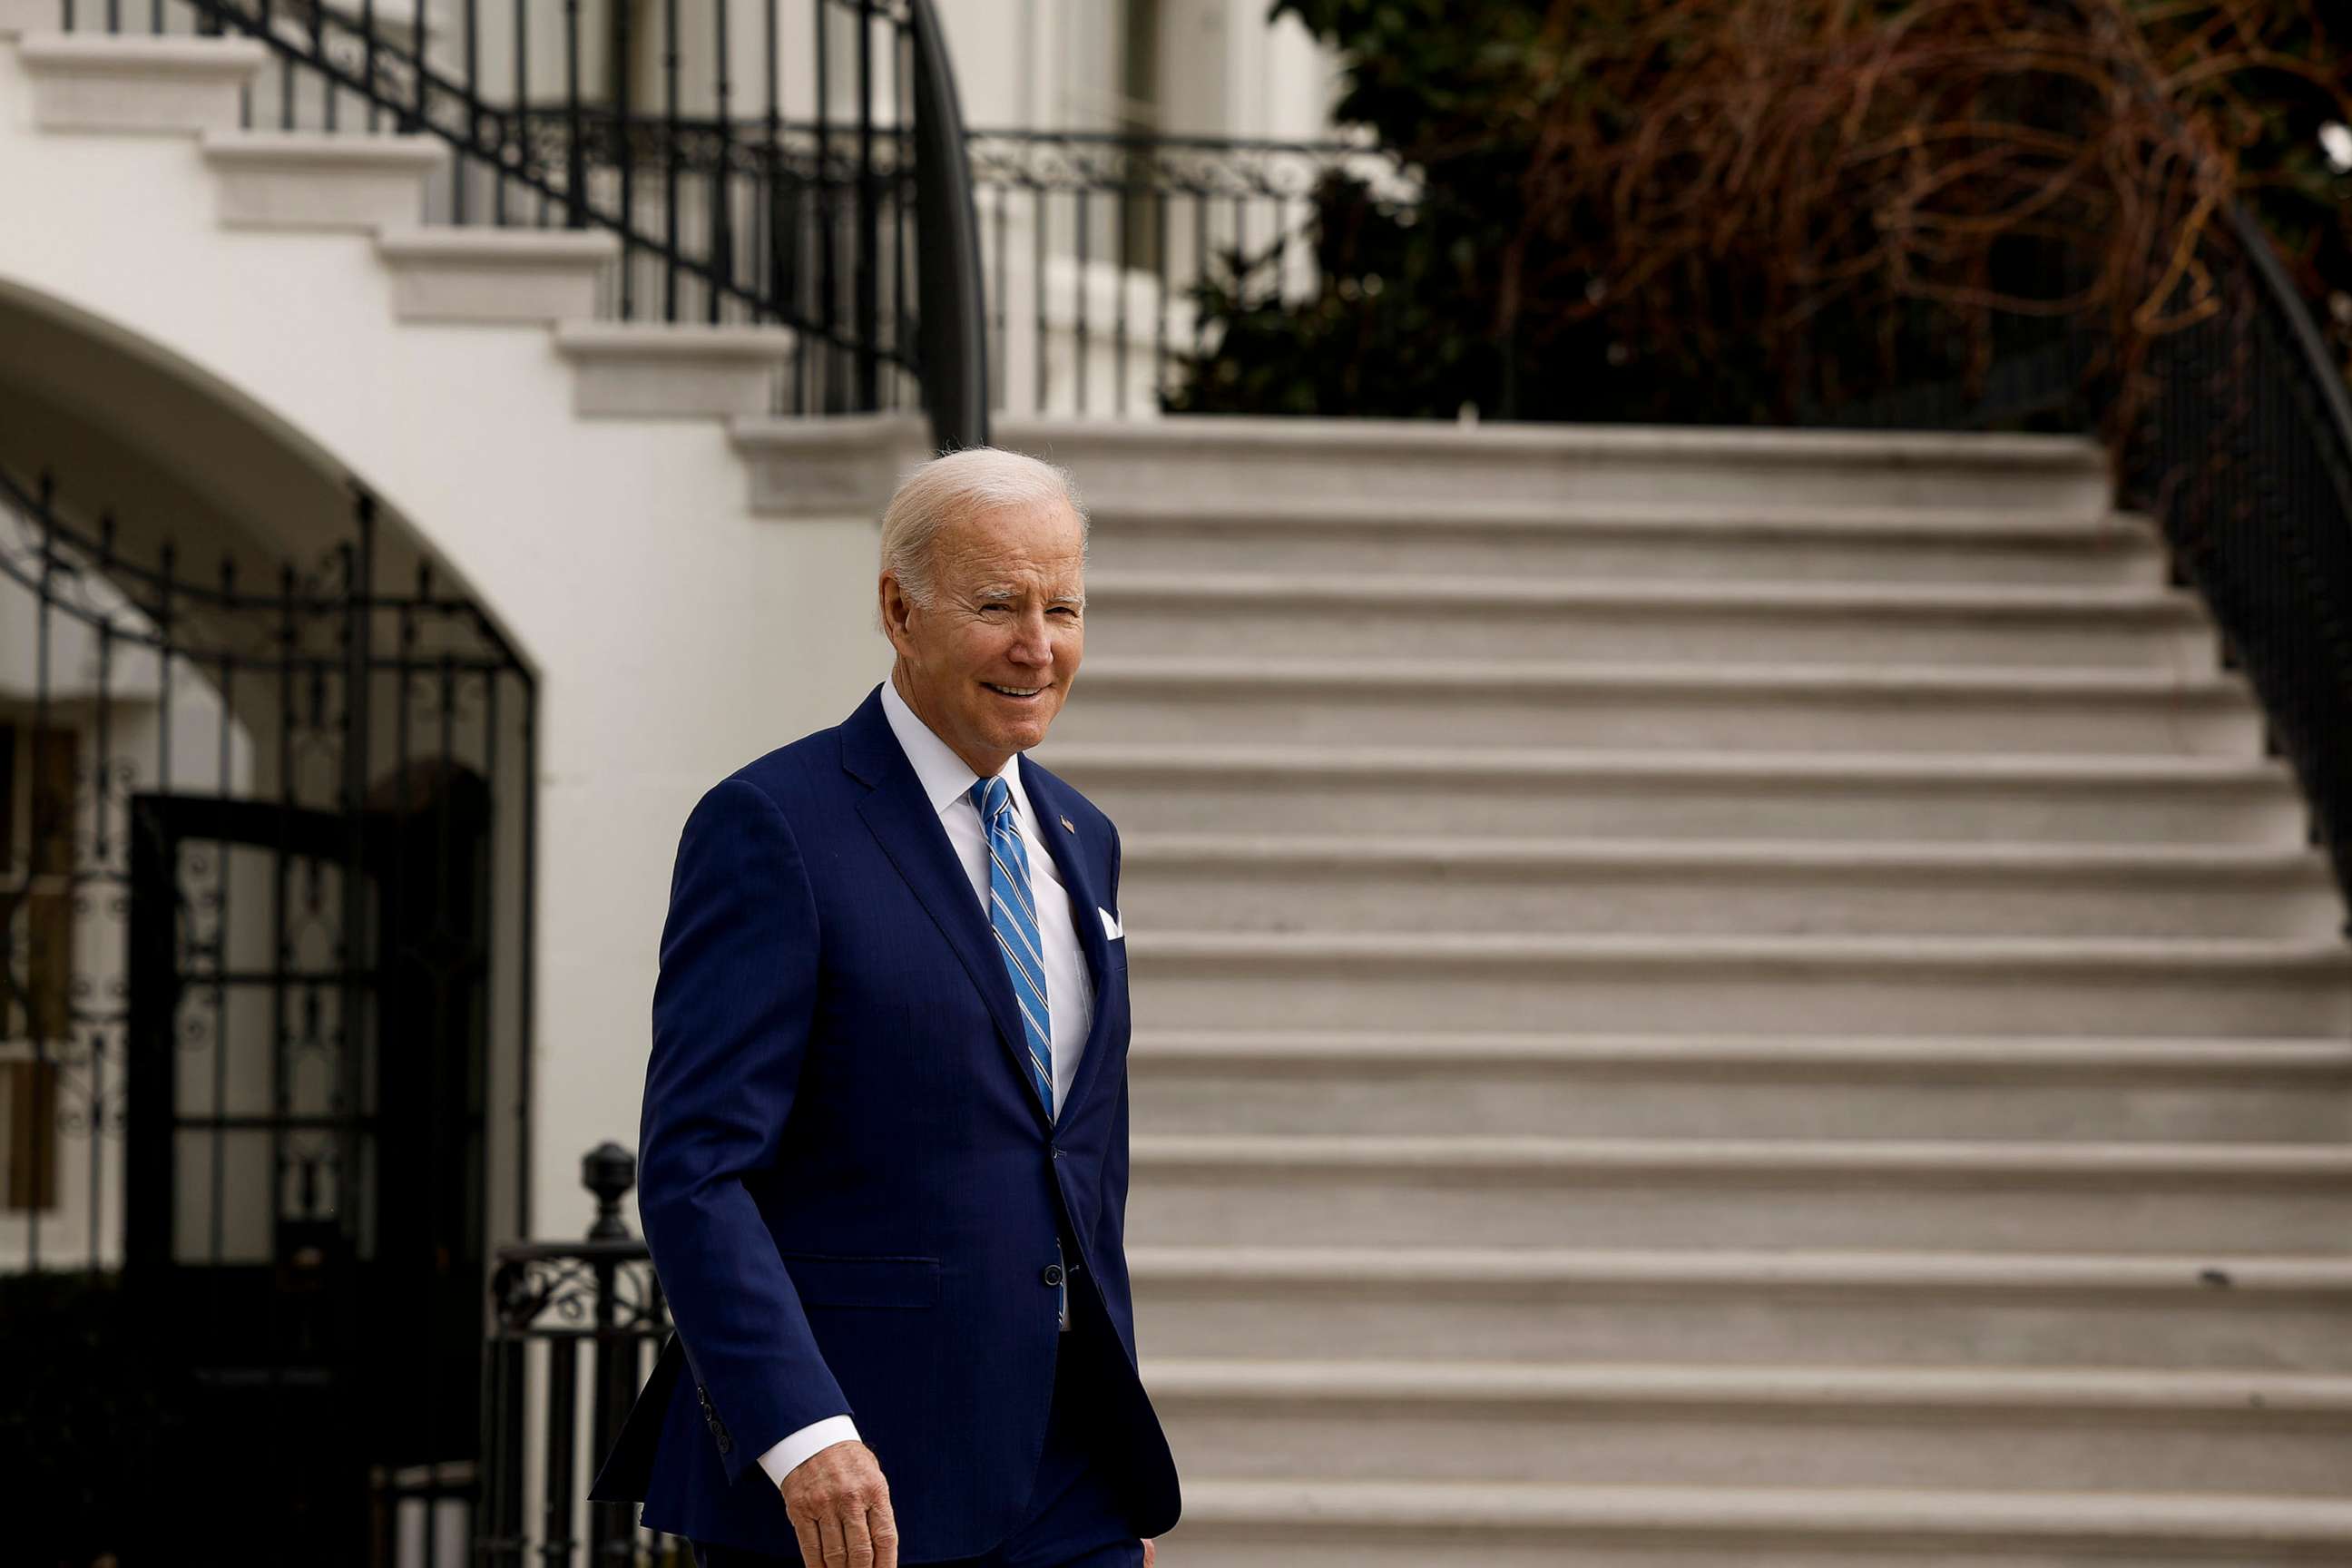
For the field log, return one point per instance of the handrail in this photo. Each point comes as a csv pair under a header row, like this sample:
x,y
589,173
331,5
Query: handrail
x,y
2245,454
952,332
2249,467
2326,377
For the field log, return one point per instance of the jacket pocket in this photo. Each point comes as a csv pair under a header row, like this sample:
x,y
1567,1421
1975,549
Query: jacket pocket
x,y
832,1279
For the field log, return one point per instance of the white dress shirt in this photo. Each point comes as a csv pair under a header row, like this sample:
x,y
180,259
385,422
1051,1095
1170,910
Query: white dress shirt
x,y
947,780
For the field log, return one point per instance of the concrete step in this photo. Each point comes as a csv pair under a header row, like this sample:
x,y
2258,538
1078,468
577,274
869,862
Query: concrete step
x,y
1555,792
1247,882
143,85
496,275
1952,1309
1730,542
1569,1192
312,180
1297,615
1409,1523
1225,461
1773,707
1755,985
662,370
2025,1429
1806,1087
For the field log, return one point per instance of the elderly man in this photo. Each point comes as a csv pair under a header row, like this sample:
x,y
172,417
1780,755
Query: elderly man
x,y
883,1158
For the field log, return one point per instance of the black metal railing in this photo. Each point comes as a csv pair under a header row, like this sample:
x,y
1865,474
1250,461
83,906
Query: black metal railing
x,y
1095,242
826,194
577,1328
2244,452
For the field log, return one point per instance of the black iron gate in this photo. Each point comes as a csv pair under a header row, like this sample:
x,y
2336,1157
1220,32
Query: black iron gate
x,y
265,1031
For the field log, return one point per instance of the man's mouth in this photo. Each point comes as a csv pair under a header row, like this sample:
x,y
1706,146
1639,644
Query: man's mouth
x,y
1024,692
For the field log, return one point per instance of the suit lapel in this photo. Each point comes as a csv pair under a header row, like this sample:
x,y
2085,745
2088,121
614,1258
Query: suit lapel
x,y
1071,856
903,823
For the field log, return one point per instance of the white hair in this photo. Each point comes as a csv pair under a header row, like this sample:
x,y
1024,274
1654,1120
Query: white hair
x,y
960,484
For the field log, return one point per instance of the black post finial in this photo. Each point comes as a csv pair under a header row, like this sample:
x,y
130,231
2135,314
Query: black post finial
x,y
608,1171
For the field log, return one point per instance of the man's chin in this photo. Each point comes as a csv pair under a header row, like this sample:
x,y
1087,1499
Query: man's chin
x,y
1020,737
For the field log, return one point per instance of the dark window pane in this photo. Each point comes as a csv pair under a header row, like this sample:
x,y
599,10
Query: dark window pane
x,y
49,968
53,754
31,1134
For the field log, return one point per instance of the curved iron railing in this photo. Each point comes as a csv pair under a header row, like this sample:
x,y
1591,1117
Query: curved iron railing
x,y
2244,453
951,336
815,211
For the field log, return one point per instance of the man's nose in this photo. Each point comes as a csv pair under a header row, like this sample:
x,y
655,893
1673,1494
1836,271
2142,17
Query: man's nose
x,y
1031,645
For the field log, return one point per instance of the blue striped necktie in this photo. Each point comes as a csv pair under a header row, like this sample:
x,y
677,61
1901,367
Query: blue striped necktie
x,y
1013,911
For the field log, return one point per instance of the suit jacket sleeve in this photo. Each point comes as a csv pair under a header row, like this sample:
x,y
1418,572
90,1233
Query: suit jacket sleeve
x,y
731,1026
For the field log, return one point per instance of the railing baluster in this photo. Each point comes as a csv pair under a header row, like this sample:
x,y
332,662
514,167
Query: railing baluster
x,y
625,150
1126,220
772,165
367,47
1160,272
458,166
722,228
869,238
514,138
562,1435
670,160
575,177
902,164
1001,396
319,51
1039,213
827,282
1080,212
1200,266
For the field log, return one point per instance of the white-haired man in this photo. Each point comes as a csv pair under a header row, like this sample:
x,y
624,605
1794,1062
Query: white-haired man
x,y
882,1158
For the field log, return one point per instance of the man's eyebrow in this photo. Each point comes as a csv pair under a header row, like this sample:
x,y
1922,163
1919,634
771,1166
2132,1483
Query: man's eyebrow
x,y
1013,591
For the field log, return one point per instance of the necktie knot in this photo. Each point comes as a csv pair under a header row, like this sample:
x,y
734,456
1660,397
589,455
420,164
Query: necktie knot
x,y
994,796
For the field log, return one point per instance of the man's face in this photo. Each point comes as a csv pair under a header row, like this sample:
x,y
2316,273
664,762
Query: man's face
x,y
988,662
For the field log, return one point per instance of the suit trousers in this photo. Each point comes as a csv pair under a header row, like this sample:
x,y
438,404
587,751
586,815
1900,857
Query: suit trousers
x,y
1076,1517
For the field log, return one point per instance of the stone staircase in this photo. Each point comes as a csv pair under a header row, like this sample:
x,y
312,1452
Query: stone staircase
x,y
1706,998
344,180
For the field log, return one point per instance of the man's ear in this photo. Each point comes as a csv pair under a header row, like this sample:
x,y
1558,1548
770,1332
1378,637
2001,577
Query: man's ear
x,y
892,608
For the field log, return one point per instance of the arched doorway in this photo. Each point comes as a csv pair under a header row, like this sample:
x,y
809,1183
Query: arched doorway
x,y
264,1017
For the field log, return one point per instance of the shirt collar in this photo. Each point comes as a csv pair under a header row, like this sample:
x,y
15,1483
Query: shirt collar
x,y
945,777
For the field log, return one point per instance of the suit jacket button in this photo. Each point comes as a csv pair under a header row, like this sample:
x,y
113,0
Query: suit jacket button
x,y
726,1446
1053,1274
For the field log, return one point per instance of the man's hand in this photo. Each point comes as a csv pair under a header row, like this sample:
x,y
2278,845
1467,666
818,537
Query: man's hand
x,y
1150,1551
840,1508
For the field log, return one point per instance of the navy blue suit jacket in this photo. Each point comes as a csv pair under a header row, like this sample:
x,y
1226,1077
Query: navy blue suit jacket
x,y
848,1184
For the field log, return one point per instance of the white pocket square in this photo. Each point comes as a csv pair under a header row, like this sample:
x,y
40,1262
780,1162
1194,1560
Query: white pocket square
x,y
1112,930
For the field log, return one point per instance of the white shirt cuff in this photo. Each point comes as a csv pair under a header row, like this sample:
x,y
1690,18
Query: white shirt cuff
x,y
785,1457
